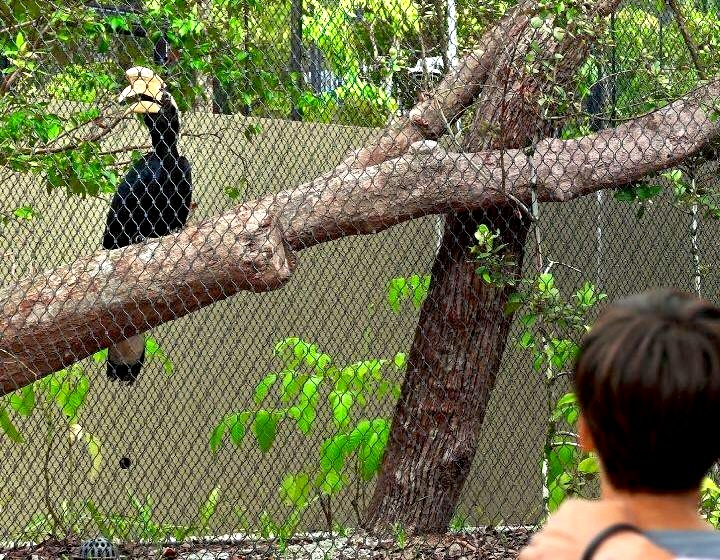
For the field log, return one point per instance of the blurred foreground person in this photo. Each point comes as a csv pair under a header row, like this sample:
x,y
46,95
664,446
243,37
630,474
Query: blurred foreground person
x,y
648,384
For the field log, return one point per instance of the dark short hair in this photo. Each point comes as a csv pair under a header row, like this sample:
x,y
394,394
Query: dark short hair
x,y
648,383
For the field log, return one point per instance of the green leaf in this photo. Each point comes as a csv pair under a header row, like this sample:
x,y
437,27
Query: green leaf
x,y
23,401
560,459
527,340
566,403
646,192
625,194
68,388
333,452
529,319
236,424
418,288
397,289
358,434
99,520
311,386
100,356
233,193
372,449
154,350
536,23
208,508
558,490
589,465
400,360
26,212
295,489
9,428
341,402
546,282
292,383
330,482
264,386
709,485
305,414
265,428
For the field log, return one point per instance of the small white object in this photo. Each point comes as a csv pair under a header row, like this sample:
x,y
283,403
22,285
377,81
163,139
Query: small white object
x,y
433,65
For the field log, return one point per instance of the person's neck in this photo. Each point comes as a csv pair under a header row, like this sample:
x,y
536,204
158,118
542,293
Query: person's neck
x,y
677,512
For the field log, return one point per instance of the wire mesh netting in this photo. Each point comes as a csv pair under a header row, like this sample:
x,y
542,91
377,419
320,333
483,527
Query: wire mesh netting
x,y
202,358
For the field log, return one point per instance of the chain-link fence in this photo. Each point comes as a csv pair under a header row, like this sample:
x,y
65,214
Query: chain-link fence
x,y
199,348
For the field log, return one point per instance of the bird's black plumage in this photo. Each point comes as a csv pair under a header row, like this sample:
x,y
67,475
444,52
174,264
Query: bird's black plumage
x,y
152,200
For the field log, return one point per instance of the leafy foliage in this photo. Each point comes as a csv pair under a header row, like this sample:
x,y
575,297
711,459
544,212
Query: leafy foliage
x,y
552,328
66,391
306,378
494,265
414,288
138,525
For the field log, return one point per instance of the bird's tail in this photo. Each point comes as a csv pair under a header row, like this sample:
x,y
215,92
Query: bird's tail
x,y
125,360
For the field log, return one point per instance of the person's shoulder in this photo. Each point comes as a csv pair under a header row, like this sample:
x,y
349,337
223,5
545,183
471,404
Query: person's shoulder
x,y
688,545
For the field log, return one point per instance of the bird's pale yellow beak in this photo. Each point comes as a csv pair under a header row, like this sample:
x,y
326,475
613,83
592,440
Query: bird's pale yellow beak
x,y
147,85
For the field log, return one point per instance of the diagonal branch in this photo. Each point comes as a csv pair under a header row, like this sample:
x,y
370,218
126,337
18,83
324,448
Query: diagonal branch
x,y
67,314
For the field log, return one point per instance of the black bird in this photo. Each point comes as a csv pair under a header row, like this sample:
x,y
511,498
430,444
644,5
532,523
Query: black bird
x,y
152,200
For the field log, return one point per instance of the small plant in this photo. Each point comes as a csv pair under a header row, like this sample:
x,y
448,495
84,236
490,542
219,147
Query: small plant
x,y
459,522
141,526
494,266
552,327
283,531
414,288
399,535
306,378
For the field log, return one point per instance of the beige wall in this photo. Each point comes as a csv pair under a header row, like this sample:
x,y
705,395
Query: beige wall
x,y
336,299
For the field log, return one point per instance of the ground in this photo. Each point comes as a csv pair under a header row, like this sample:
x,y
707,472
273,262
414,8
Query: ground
x,y
488,544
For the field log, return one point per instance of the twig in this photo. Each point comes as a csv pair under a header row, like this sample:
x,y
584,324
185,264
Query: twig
x,y
534,204
125,149
65,147
553,263
689,41
327,511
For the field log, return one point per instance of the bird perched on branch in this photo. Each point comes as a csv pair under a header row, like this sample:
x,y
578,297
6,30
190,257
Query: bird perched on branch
x,y
153,199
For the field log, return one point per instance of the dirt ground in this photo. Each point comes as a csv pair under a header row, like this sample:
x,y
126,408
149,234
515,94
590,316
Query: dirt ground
x,y
489,543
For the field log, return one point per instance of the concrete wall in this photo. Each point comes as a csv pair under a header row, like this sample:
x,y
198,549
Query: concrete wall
x,y
336,299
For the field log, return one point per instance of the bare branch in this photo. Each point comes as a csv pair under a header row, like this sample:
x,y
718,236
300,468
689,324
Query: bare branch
x,y
687,37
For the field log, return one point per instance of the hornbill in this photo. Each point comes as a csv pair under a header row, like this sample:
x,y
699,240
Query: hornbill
x,y
153,199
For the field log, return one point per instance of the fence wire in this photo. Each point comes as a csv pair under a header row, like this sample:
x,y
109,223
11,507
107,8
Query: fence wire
x,y
405,390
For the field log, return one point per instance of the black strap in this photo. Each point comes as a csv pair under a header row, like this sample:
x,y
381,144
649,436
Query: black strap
x,y
605,534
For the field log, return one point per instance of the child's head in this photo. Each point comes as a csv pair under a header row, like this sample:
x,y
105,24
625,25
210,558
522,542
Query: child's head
x,y
648,384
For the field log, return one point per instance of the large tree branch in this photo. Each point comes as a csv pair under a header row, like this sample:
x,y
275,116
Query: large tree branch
x,y
430,118
69,313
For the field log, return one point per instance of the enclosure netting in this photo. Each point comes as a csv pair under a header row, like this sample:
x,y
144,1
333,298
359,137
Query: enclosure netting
x,y
299,386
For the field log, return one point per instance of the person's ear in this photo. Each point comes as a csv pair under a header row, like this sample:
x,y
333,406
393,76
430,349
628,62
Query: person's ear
x,y
585,437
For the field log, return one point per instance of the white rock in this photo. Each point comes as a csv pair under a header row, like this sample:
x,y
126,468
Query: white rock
x,y
205,555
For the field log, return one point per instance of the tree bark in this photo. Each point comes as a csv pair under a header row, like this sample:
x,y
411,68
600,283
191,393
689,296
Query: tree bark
x,y
67,314
463,329
72,312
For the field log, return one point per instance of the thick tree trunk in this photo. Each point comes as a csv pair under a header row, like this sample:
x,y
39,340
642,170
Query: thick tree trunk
x,y
452,367
462,331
